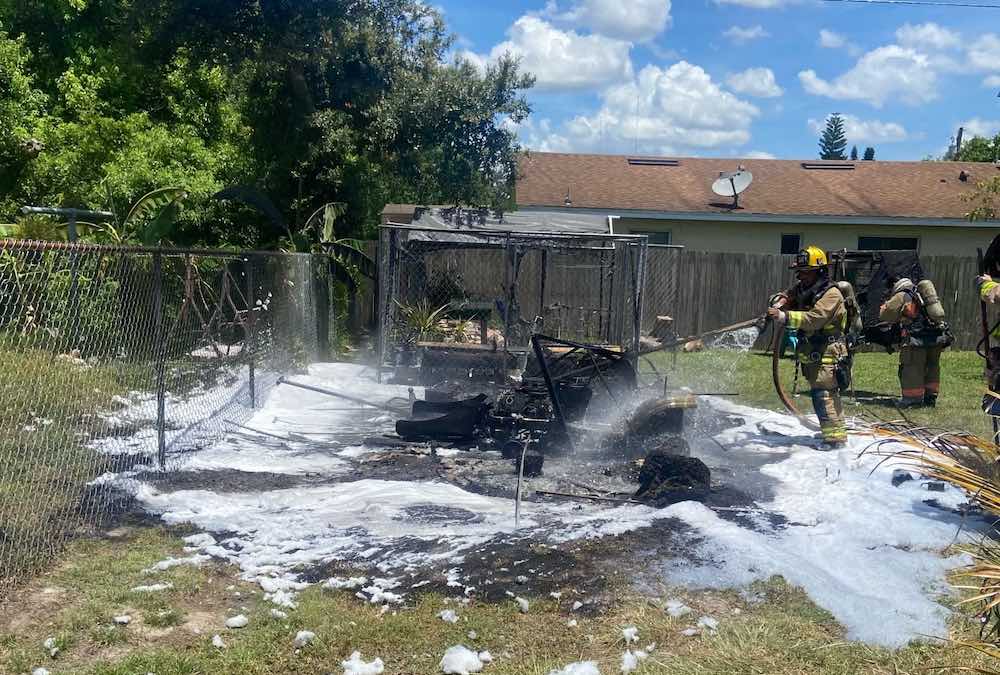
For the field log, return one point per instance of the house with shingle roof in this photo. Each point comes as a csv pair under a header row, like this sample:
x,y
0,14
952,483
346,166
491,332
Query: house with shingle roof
x,y
867,205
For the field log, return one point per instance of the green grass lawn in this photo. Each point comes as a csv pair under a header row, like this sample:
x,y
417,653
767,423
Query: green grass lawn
x,y
170,632
875,377
781,632
48,412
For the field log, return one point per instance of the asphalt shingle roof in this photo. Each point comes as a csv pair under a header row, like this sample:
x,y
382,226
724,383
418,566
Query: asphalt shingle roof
x,y
780,187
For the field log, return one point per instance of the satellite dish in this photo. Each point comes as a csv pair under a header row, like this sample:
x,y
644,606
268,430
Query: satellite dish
x,y
732,183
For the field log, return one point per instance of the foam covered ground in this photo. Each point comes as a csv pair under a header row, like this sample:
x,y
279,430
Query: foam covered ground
x,y
866,551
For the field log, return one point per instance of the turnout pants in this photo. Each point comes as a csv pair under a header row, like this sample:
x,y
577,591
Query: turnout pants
x,y
920,371
826,395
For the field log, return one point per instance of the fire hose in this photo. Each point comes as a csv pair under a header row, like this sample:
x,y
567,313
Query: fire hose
x,y
779,330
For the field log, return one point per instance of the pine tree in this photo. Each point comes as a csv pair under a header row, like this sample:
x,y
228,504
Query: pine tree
x,y
833,142
854,153
869,153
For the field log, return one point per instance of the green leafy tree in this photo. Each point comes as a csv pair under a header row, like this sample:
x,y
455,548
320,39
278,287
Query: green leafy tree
x,y
869,154
21,104
854,153
833,142
979,149
311,102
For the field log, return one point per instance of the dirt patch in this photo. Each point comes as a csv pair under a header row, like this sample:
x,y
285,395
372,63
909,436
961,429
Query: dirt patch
x,y
31,605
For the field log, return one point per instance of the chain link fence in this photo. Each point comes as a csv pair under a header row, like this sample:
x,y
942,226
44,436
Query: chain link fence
x,y
122,358
494,289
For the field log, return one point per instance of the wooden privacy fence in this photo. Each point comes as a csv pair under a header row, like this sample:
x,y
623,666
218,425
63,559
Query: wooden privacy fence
x,y
703,290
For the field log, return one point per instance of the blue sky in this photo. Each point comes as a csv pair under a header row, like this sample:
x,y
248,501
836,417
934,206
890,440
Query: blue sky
x,y
741,78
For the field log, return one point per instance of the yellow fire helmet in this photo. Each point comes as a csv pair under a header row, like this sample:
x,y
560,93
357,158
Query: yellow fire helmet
x,y
809,258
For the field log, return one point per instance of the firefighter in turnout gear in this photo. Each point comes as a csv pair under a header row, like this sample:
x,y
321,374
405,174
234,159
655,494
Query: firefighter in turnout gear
x,y
989,293
815,308
923,336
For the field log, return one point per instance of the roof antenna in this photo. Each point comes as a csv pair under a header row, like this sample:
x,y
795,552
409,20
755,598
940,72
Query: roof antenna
x,y
732,183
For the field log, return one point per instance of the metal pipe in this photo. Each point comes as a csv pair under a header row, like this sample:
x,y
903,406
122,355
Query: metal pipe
x,y
543,365
337,394
71,213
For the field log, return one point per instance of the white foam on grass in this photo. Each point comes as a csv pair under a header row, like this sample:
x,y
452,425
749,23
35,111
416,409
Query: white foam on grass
x,y
202,404
373,521
358,666
578,668
153,588
242,455
460,660
868,552
194,560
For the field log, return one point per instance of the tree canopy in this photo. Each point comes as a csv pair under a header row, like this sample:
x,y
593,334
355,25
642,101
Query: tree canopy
x,y
309,101
979,149
833,142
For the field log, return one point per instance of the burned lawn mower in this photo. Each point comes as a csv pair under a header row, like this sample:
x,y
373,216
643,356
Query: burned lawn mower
x,y
546,412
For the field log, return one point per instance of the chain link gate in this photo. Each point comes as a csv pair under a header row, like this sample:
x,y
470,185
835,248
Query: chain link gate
x,y
129,358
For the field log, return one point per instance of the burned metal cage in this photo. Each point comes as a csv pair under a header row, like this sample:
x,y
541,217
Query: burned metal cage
x,y
497,288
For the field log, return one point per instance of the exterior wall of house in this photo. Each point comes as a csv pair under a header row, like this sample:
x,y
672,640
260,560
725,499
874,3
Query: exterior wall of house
x,y
744,237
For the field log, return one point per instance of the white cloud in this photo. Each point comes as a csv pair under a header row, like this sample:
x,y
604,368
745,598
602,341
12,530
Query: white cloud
x,y
981,127
984,53
756,4
562,60
759,154
831,40
992,81
865,131
739,34
537,136
758,82
926,36
637,20
662,111
890,72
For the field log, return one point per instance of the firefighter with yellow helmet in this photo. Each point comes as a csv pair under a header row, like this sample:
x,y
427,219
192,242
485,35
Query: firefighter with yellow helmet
x,y
816,310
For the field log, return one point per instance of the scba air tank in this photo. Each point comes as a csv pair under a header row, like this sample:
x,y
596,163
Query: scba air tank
x,y
932,304
855,324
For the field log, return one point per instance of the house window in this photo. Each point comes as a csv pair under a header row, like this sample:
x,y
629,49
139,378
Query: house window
x,y
656,238
791,243
888,243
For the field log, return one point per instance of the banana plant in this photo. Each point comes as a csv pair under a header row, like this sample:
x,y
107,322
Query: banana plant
x,y
150,221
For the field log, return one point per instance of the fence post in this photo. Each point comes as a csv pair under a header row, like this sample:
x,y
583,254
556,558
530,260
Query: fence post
x,y
508,288
161,353
321,300
74,284
639,262
544,275
386,293
249,341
